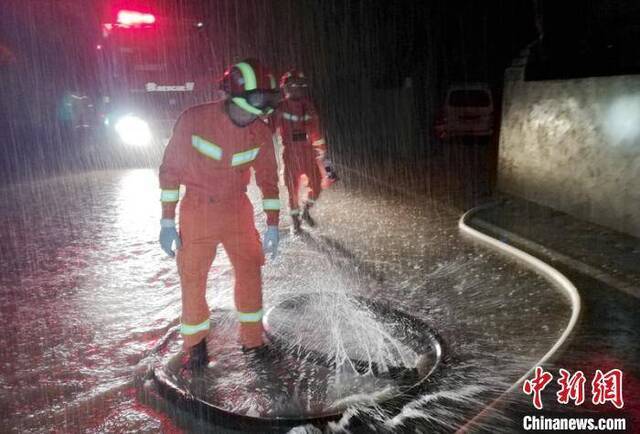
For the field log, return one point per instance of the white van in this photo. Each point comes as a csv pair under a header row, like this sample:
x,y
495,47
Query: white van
x,y
468,111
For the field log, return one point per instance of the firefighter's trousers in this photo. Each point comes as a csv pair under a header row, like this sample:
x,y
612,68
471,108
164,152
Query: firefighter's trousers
x,y
204,224
298,162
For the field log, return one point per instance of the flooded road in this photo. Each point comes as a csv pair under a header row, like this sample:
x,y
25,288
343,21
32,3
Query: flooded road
x,y
86,292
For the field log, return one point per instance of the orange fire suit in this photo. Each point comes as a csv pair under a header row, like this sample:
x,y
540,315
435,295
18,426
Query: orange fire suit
x,y
211,156
304,148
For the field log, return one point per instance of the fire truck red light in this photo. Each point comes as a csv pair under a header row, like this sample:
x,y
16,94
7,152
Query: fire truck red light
x,y
134,18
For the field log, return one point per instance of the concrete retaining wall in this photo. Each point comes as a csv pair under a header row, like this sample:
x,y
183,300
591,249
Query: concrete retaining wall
x,y
574,145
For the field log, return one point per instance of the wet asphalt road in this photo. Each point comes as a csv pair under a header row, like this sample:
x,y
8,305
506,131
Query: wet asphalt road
x,y
606,337
85,291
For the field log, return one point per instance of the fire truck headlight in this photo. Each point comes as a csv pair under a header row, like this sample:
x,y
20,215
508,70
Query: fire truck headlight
x,y
133,130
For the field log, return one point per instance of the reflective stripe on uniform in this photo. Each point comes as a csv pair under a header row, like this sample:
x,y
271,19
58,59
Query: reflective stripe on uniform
x,y
244,105
249,76
294,212
250,316
244,157
271,204
169,195
318,142
189,329
295,118
207,148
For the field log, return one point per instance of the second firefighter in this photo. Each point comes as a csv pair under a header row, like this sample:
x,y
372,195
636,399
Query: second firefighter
x,y
305,148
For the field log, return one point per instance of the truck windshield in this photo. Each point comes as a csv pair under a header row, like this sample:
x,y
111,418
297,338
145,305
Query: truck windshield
x,y
157,55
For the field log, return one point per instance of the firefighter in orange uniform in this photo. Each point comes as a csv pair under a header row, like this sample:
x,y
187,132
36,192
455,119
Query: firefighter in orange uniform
x,y
305,149
212,148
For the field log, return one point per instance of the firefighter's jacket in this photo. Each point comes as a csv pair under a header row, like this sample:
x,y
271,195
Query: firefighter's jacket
x,y
209,154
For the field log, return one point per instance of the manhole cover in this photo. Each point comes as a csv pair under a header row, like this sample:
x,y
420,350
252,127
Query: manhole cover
x,y
330,352
346,333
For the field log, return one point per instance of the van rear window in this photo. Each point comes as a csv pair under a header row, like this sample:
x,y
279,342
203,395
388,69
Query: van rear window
x,y
469,98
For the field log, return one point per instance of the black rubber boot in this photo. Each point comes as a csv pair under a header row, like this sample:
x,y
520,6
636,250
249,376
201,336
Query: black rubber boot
x,y
197,358
306,216
297,224
265,362
263,353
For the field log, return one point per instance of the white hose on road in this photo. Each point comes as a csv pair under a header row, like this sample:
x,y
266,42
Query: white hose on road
x,y
544,269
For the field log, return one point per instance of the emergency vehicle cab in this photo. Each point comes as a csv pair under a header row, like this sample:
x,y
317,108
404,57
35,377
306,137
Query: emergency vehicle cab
x,y
153,63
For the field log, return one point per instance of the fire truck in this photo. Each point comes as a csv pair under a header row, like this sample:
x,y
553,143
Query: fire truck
x,y
153,62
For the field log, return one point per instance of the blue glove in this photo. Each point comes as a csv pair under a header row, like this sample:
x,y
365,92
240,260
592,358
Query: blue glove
x,y
271,240
169,235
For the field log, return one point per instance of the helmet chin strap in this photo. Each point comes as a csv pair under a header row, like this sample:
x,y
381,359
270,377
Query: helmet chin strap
x,y
244,105
238,115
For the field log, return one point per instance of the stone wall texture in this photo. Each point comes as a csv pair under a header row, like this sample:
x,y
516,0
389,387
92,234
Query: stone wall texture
x,y
574,145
